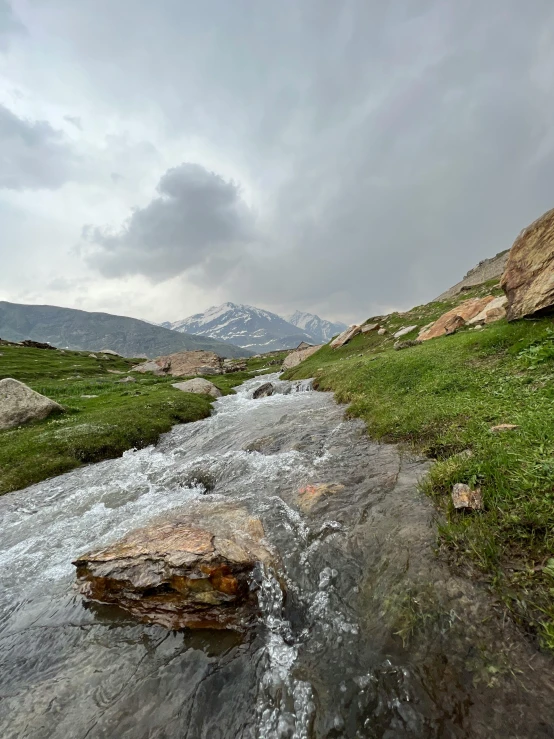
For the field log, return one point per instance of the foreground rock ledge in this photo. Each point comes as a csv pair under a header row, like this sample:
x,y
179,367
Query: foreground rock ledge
x,y
193,571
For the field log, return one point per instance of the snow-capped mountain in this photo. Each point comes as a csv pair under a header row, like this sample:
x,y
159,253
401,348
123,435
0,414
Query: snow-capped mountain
x,y
246,326
320,329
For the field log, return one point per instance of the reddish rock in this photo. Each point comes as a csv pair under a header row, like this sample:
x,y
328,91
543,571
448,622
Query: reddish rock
x,y
492,312
309,495
455,318
191,571
528,279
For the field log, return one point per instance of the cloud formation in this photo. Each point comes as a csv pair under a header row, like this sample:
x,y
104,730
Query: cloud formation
x,y
196,215
33,154
386,147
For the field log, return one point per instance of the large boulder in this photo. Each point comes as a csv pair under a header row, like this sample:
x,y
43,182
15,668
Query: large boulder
x,y
19,404
180,364
454,319
200,386
528,279
346,336
195,570
298,355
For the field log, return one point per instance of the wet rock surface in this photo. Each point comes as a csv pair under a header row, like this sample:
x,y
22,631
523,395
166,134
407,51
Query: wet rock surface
x,y
264,391
192,571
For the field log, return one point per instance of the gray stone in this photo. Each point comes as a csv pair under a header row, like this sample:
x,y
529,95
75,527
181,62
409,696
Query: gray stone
x,y
19,404
264,391
127,379
199,386
403,331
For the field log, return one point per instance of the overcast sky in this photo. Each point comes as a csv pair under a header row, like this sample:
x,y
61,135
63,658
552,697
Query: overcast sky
x,y
345,157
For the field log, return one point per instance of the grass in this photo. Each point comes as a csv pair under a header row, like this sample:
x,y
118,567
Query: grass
x,y
441,398
120,416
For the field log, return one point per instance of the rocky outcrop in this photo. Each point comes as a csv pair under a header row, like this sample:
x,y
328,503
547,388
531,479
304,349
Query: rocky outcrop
x,y
192,571
234,365
297,356
528,279
264,391
199,386
403,331
454,319
487,269
19,404
184,363
345,337
369,327
492,312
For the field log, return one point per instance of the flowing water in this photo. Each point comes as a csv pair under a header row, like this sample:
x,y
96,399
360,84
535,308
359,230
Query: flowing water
x,y
363,631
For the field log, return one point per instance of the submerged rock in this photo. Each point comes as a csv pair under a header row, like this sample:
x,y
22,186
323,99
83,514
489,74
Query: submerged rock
x,y
193,571
19,404
528,280
309,495
264,391
198,386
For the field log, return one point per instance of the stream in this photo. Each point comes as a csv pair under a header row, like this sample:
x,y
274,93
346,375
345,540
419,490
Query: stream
x,y
364,633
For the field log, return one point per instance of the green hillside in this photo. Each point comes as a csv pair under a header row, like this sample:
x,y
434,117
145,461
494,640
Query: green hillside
x,y
80,330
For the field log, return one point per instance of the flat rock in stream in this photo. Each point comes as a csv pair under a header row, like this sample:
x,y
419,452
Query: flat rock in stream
x,y
193,570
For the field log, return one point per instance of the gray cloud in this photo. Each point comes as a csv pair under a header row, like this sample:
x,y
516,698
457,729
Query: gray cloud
x,y
196,215
34,155
74,120
389,146
9,24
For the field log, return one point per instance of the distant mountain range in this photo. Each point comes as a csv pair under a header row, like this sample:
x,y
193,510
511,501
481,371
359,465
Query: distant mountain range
x,y
256,329
81,330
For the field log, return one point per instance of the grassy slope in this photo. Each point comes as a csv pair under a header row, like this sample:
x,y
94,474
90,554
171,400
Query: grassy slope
x,y
122,416
442,397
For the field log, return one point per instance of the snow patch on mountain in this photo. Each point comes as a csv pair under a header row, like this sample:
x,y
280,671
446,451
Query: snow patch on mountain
x,y
320,329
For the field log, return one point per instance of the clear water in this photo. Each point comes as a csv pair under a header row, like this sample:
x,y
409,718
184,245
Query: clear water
x,y
372,636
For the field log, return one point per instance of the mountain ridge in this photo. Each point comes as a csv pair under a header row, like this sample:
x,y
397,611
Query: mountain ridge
x,y
92,331
254,328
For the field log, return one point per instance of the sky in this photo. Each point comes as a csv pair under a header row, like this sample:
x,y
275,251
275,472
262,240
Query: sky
x,y
343,157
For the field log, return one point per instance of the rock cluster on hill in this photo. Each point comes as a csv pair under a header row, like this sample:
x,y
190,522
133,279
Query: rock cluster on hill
x,y
192,571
